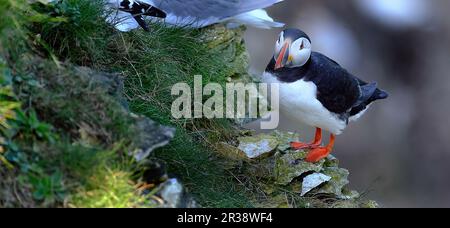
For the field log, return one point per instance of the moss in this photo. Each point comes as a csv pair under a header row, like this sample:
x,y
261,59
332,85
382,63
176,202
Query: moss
x,y
75,100
284,179
90,132
231,46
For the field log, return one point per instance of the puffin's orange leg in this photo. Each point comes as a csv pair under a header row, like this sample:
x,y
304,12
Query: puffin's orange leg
x,y
316,143
319,153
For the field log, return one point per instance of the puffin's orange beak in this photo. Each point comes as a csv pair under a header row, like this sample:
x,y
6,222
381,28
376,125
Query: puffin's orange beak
x,y
281,59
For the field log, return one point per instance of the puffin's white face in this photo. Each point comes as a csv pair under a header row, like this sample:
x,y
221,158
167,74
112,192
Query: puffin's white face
x,y
291,53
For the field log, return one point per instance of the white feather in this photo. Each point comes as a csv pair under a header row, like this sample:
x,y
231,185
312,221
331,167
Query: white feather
x,y
122,21
256,18
189,21
359,115
298,101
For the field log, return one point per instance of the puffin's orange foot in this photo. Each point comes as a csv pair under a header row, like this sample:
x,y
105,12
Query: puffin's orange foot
x,y
302,146
317,154
316,143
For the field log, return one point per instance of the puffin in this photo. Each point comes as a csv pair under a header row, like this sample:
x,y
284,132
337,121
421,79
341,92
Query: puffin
x,y
317,91
202,13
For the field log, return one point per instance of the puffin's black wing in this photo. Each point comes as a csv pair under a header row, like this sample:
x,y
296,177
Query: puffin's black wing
x,y
337,89
367,90
369,94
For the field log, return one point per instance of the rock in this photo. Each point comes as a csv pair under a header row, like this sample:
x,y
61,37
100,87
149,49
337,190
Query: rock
x,y
258,146
339,179
292,165
261,169
230,152
313,181
232,157
281,171
150,136
230,43
111,82
370,204
349,194
173,194
331,161
284,139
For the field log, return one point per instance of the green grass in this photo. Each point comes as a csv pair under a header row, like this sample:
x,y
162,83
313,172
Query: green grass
x,y
13,33
89,171
79,152
104,179
61,144
79,33
153,63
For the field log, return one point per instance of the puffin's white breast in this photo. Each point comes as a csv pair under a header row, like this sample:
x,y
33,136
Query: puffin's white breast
x,y
298,101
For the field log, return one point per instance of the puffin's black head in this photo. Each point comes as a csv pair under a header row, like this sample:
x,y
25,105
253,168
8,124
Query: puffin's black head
x,y
293,49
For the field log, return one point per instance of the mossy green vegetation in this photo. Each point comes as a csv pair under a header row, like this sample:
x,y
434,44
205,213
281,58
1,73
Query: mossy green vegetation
x,y
74,88
86,121
80,148
62,136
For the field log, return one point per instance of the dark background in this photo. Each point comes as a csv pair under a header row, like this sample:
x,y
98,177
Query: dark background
x,y
399,152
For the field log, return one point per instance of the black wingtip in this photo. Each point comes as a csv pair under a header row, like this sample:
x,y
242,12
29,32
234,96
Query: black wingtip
x,y
140,20
159,13
155,12
381,95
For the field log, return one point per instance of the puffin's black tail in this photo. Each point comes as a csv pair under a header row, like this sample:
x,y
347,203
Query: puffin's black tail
x,y
369,94
378,95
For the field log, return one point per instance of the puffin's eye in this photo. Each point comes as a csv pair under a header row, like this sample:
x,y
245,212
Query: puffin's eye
x,y
302,45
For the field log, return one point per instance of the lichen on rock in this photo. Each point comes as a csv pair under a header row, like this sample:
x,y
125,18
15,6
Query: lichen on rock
x,y
174,195
231,46
292,165
257,146
149,136
284,168
313,181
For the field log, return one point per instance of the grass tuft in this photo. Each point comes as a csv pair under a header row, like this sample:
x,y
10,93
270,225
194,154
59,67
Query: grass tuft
x,y
79,33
